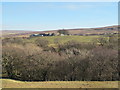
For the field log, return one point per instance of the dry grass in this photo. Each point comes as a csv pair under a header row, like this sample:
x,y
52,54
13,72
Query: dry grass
x,y
8,83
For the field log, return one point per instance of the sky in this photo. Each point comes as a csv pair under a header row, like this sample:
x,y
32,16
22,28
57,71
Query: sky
x,y
43,16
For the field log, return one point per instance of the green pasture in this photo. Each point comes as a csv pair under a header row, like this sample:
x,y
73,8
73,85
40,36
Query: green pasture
x,y
63,39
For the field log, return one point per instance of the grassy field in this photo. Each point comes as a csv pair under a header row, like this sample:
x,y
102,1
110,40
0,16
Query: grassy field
x,y
63,39
54,40
8,83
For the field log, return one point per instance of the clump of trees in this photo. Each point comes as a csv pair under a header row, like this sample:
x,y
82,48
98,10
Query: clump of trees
x,y
42,42
71,61
65,32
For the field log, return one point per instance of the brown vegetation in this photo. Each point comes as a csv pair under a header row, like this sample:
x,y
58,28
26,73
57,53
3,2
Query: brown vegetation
x,y
71,61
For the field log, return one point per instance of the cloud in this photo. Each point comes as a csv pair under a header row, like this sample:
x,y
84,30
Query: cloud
x,y
77,6
72,7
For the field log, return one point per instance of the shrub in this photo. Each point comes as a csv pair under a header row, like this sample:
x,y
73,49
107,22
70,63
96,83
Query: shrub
x,y
42,42
65,32
17,40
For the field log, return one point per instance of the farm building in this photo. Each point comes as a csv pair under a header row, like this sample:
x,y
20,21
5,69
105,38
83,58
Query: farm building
x,y
44,34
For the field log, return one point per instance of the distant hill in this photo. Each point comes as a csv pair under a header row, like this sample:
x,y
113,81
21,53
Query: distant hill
x,y
21,33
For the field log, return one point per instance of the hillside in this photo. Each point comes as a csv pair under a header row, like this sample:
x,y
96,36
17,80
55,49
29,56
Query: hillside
x,y
21,33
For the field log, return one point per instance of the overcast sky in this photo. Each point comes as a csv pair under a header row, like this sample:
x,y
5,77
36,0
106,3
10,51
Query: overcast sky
x,y
59,15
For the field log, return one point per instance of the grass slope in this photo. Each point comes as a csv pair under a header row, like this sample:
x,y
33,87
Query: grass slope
x,y
63,39
8,83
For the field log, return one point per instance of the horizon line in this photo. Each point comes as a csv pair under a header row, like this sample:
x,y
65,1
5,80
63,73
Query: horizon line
x,y
60,29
